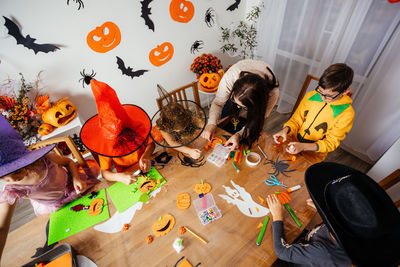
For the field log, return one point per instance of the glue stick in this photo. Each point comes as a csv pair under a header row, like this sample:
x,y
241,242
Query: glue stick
x,y
294,188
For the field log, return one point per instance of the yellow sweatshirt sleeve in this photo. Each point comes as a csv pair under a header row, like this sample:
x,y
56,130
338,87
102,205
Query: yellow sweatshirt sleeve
x,y
338,132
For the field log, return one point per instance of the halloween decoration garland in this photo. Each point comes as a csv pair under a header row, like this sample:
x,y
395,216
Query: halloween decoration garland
x,y
101,42
146,11
80,2
188,161
280,166
161,54
234,5
210,17
27,41
128,70
196,46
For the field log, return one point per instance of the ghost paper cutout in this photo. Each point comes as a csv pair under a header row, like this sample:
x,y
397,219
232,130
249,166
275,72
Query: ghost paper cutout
x,y
246,204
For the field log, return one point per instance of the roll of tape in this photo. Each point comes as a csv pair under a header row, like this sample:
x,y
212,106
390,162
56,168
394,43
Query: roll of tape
x,y
252,159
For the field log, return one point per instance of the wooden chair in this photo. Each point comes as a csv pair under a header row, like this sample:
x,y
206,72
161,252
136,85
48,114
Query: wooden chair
x,y
71,145
390,181
303,90
180,94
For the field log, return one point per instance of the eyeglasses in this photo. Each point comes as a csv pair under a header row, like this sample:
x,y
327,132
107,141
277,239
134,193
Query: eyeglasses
x,y
238,106
326,96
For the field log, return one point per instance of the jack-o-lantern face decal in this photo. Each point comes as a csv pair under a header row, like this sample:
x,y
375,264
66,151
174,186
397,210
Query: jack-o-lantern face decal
x,y
96,207
161,54
163,225
104,38
147,185
62,112
181,10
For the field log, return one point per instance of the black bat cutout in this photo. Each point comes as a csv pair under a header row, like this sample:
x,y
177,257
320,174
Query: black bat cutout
x,y
146,11
128,71
27,41
80,2
234,5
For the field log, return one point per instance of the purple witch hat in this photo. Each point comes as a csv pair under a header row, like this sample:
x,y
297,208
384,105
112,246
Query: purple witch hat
x,y
13,153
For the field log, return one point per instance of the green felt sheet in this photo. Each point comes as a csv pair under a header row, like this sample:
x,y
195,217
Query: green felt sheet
x,y
64,218
124,196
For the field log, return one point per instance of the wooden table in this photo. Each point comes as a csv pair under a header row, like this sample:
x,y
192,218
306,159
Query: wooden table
x,y
231,239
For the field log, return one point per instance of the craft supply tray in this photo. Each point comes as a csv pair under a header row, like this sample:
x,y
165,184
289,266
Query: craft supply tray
x,y
206,209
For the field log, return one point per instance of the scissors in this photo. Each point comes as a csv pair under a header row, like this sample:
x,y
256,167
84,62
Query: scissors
x,y
235,122
274,181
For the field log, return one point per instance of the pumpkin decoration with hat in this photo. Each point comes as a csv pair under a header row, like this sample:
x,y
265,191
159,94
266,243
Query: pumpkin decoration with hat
x,y
358,213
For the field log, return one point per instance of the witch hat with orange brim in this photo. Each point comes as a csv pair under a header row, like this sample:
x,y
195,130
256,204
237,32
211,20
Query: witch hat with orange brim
x,y
117,130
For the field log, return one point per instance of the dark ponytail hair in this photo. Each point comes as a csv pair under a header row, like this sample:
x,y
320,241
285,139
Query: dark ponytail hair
x,y
253,91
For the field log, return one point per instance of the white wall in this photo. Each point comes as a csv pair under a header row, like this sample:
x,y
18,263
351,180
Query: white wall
x,y
55,22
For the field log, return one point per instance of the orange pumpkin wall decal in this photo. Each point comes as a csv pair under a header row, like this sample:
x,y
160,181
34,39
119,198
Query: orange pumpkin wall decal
x,y
104,38
161,54
163,225
62,112
181,10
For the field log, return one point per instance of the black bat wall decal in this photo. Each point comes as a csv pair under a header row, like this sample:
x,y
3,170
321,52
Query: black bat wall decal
x,y
128,71
27,41
146,11
234,5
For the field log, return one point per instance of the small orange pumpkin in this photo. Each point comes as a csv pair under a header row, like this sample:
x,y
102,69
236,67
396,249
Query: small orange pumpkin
x,y
183,201
181,10
147,185
45,129
208,82
62,112
163,225
100,41
96,207
149,239
202,188
161,54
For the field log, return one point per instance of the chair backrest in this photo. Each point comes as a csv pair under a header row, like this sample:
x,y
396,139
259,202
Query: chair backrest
x,y
180,94
303,90
70,143
390,181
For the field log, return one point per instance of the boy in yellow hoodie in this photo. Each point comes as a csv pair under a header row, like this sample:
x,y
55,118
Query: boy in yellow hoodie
x,y
324,116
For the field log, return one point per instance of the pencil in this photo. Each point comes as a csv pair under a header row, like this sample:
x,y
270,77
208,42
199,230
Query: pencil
x,y
260,236
195,235
262,152
236,168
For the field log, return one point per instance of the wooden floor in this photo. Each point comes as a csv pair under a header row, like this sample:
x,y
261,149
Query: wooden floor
x,y
24,212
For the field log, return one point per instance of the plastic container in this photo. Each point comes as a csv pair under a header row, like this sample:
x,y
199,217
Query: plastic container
x,y
219,155
206,209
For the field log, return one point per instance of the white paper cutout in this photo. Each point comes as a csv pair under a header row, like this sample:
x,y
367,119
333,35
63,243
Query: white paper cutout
x,y
117,221
84,261
246,205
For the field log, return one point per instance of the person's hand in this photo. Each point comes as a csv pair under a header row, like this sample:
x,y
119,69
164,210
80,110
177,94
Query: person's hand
x,y
145,164
233,142
310,203
195,153
275,207
208,132
281,136
126,177
79,185
295,147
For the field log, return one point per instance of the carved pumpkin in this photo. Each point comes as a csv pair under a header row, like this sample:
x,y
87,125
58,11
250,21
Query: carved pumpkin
x,y
104,38
183,201
161,54
163,225
181,10
62,112
147,185
209,82
45,129
96,207
202,188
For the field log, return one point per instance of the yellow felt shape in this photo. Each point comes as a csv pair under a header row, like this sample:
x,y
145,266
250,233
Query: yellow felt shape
x,y
184,263
183,201
163,225
147,185
203,188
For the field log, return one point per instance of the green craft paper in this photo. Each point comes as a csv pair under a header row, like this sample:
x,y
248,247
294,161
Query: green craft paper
x,y
125,196
65,219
